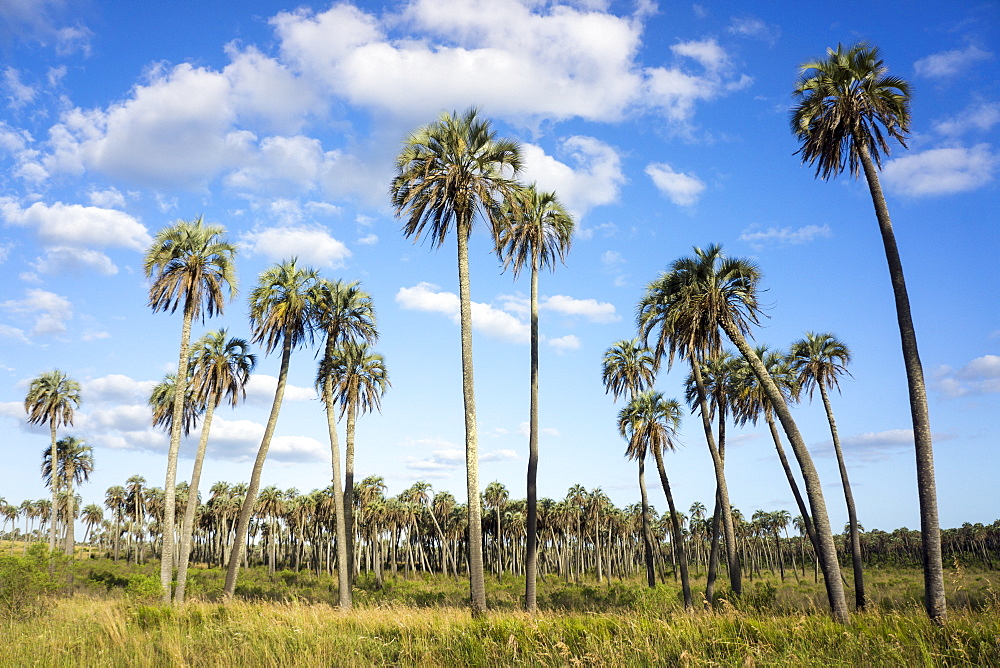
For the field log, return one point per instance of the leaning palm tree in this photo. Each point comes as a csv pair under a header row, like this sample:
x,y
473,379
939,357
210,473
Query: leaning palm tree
x,y
538,232
280,315
51,399
847,105
74,464
689,305
344,313
360,379
220,370
191,266
819,360
448,172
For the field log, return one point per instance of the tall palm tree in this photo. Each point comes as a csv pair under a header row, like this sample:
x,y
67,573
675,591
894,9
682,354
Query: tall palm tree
x,y
161,403
684,304
280,315
115,501
539,231
220,370
51,399
92,515
627,369
344,313
690,304
847,106
448,172
820,359
189,265
74,464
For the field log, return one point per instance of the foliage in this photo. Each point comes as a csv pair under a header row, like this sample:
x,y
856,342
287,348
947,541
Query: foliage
x,y
25,582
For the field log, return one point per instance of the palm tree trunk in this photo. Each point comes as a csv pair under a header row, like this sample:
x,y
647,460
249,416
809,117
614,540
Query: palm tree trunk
x,y
246,510
477,583
344,560
348,505
53,511
803,510
827,552
852,515
176,426
192,501
647,537
675,527
930,528
732,556
70,544
531,549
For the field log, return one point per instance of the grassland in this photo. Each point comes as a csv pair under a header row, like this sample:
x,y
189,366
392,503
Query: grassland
x,y
99,613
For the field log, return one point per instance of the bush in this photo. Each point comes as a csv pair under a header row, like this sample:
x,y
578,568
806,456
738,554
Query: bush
x,y
25,583
143,588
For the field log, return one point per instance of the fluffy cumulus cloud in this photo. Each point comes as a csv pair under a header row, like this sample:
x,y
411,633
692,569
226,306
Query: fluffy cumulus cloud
x,y
977,117
978,377
45,311
592,177
783,236
680,188
942,171
590,309
948,64
491,321
565,343
69,260
77,225
261,387
313,245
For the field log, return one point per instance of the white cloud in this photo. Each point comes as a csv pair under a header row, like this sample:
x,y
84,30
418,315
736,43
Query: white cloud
x,y
942,171
18,94
565,343
312,245
117,389
47,310
77,225
751,26
784,236
707,52
368,240
977,117
497,456
682,189
950,63
68,260
591,309
107,199
874,446
260,389
283,165
524,427
485,318
980,376
594,179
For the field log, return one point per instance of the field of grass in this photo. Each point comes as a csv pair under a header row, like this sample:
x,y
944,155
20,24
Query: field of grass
x,y
94,612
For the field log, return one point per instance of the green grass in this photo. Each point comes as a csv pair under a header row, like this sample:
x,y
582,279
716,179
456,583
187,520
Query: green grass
x,y
94,612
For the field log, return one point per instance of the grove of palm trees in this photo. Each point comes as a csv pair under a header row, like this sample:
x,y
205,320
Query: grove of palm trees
x,y
349,574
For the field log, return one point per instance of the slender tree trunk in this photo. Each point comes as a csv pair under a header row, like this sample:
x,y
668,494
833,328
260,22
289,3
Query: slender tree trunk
x,y
344,559
827,552
246,510
852,515
647,536
70,544
531,549
192,501
352,413
477,584
732,556
930,528
176,427
675,526
713,553
799,502
53,511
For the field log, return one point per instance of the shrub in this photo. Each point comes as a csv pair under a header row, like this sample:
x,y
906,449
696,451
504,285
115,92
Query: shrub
x,y
25,583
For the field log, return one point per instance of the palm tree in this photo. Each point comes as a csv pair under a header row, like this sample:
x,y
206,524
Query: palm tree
x,y
135,501
280,315
819,360
447,172
539,232
115,501
51,399
74,464
845,103
161,403
690,304
655,420
92,515
344,312
187,264
220,370
684,304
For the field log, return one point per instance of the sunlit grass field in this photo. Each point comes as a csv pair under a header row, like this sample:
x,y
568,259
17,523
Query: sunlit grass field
x,y
104,614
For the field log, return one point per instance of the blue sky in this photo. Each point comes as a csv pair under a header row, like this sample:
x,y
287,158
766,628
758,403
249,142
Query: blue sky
x,y
660,126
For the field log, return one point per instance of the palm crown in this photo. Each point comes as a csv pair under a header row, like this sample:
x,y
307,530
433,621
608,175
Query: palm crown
x,y
538,231
845,104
